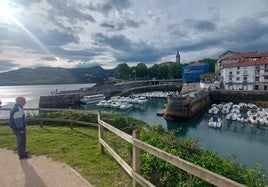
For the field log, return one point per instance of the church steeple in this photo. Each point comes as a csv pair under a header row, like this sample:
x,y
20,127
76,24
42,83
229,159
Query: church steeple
x,y
178,57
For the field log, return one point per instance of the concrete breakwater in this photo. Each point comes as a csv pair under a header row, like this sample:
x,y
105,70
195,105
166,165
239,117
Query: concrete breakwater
x,y
186,106
193,100
69,98
59,100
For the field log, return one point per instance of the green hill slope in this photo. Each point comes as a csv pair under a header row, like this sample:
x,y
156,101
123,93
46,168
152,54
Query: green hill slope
x,y
49,75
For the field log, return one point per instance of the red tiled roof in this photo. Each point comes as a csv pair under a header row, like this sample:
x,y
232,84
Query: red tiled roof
x,y
166,63
247,63
254,54
196,64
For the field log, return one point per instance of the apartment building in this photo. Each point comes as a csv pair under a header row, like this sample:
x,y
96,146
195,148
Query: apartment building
x,y
244,71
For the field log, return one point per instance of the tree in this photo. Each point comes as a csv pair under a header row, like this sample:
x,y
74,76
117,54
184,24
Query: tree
x,y
122,71
141,70
153,71
174,70
163,72
211,62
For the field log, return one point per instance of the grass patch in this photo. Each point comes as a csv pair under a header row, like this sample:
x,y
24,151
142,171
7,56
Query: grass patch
x,y
79,148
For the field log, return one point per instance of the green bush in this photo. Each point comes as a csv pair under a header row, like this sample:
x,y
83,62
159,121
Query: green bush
x,y
163,174
160,172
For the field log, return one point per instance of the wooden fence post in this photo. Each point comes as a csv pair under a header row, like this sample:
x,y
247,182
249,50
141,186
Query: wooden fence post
x,y
40,118
101,133
70,118
136,155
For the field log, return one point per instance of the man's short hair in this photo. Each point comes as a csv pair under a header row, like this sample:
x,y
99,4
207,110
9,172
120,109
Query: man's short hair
x,y
19,99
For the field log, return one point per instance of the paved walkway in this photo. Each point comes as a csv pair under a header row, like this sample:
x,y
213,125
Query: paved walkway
x,y
38,171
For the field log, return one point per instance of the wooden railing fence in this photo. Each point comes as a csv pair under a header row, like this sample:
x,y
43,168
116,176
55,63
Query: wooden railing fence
x,y
138,145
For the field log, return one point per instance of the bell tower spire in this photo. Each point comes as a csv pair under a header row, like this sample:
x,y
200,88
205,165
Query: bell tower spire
x,y
178,57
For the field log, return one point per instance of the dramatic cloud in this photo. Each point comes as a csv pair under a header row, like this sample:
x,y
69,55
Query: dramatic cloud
x,y
6,65
108,32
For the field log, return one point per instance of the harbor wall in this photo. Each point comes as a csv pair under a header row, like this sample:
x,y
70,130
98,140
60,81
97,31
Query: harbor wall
x,y
185,107
236,96
69,98
59,100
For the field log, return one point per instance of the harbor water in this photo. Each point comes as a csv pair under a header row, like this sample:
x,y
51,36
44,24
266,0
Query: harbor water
x,y
245,143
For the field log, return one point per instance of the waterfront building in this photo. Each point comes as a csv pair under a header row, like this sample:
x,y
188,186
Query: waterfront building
x,y
244,71
192,72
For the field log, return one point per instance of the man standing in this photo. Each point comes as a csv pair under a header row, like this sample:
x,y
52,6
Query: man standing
x,y
18,124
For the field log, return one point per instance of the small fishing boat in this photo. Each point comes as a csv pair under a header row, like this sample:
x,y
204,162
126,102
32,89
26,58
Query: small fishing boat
x,y
252,106
213,110
253,119
142,100
265,119
214,122
126,106
243,105
101,103
89,99
231,116
243,118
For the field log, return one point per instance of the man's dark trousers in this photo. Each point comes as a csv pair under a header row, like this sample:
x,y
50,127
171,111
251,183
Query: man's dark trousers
x,y
21,141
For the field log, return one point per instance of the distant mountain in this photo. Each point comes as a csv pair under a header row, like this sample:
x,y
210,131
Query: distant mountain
x,y
50,75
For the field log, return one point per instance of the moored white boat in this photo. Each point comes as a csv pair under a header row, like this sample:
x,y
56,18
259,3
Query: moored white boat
x,y
126,106
116,104
243,118
88,99
265,119
231,116
101,103
252,106
214,122
243,105
142,100
213,110
235,110
253,119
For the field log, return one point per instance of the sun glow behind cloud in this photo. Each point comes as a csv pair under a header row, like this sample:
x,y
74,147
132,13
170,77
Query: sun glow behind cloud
x,y
64,33
7,14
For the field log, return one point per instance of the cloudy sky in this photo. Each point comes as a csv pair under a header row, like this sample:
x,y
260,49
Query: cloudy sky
x,y
83,33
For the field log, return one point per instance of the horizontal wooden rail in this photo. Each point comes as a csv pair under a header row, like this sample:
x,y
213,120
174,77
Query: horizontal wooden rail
x,y
40,118
189,167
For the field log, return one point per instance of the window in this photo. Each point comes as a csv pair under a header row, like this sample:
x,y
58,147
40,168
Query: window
x,y
265,87
265,77
238,68
256,87
238,72
245,79
245,72
266,68
238,78
258,67
257,78
230,79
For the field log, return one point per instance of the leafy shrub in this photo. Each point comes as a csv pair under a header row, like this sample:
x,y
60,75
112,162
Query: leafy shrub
x,y
162,173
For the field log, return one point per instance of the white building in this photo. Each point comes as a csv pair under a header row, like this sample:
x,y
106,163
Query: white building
x,y
245,74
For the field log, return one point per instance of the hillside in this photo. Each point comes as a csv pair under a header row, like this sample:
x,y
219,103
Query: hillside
x,y
50,75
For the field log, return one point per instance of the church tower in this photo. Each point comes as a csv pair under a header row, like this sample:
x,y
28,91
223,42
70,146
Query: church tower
x,y
178,57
